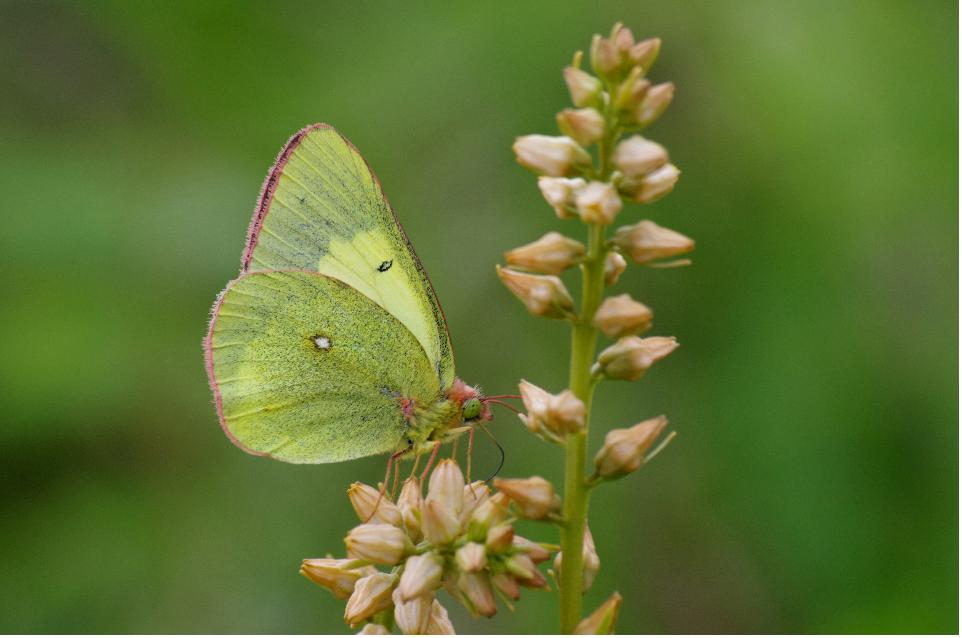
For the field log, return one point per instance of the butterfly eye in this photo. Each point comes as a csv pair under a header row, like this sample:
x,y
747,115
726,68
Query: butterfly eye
x,y
471,409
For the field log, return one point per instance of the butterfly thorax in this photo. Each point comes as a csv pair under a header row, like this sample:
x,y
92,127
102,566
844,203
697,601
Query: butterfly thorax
x,y
442,420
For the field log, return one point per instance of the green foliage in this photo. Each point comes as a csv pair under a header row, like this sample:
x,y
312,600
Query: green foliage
x,y
813,485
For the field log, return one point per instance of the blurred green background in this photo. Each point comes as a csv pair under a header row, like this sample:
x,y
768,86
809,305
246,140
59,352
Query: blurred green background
x,y
813,485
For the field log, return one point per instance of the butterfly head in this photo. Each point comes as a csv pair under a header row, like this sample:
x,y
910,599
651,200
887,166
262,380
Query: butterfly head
x,y
473,406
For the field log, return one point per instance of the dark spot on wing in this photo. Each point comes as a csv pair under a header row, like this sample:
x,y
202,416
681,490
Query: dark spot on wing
x,y
385,265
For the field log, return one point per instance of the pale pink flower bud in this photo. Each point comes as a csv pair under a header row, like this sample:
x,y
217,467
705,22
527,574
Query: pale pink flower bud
x,y
636,156
560,192
474,494
471,557
590,562
565,413
536,552
412,615
552,254
439,524
630,357
603,619
655,102
507,585
604,56
447,485
409,503
536,403
623,39
585,89
651,187
499,538
615,264
621,316
364,498
585,126
646,241
535,497
645,53
525,571
439,623
478,593
422,575
371,595
490,513
372,629
542,295
624,449
598,203
555,156
334,574
378,543
631,91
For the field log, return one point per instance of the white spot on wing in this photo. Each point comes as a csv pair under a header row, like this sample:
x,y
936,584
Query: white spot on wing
x,y
322,342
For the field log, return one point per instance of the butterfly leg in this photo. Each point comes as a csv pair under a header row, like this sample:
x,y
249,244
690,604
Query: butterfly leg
x,y
434,455
470,450
387,475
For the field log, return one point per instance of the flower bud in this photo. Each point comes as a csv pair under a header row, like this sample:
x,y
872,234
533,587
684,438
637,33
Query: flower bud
x,y
439,524
478,593
524,570
630,357
585,89
623,39
499,538
644,53
621,316
615,264
631,92
542,295
552,254
565,413
371,595
656,100
378,543
535,403
364,498
447,485
603,619
439,623
409,503
555,156
646,241
624,449
333,574
560,192
651,187
585,126
604,56
412,615
372,629
474,494
471,557
635,157
507,585
590,563
422,575
490,513
535,497
598,203
535,552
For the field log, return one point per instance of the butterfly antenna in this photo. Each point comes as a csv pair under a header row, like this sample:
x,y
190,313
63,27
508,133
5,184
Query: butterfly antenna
x,y
502,404
504,396
500,449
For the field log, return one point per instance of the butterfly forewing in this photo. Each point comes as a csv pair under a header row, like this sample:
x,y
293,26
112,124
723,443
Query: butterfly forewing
x,y
307,370
322,210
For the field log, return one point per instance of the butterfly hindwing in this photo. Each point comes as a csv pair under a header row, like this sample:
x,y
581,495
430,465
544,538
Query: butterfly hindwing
x,y
305,369
322,210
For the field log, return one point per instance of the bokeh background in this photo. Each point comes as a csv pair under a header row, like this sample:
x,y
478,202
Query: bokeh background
x,y
813,485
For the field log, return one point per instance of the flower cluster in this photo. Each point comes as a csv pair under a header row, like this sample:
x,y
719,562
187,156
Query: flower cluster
x,y
459,536
599,163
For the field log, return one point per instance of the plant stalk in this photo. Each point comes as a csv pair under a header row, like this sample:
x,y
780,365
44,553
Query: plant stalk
x,y
584,338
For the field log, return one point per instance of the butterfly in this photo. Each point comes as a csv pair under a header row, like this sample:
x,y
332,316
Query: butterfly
x,y
331,344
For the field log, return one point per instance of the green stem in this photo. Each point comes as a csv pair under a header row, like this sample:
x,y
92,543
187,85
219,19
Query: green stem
x,y
584,337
